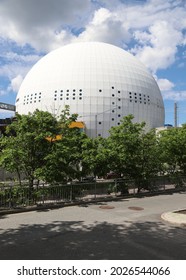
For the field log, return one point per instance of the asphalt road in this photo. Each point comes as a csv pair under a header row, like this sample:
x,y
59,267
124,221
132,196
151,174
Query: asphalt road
x,y
90,232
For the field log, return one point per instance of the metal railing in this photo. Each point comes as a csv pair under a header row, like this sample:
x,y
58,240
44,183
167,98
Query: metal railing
x,y
13,195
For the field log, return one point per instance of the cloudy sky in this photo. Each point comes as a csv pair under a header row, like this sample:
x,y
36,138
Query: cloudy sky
x,y
152,30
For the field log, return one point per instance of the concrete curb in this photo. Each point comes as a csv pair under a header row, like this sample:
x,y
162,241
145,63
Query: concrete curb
x,y
56,206
92,201
174,217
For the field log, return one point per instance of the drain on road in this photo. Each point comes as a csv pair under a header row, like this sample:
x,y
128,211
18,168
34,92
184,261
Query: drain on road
x,y
136,208
106,207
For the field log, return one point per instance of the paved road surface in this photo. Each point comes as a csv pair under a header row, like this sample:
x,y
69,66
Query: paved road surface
x,y
90,232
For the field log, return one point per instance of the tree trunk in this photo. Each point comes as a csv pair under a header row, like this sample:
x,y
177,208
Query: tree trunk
x,y
19,178
31,189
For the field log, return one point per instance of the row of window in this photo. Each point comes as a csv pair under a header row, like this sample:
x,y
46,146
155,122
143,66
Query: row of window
x,y
67,98
137,101
80,90
139,95
65,95
61,97
31,102
32,94
61,94
80,98
32,98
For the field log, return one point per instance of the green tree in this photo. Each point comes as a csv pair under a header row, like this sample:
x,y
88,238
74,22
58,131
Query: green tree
x,y
95,156
25,148
64,161
149,160
133,152
10,157
173,149
123,144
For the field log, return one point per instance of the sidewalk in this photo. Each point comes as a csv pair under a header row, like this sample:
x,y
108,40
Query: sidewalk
x,y
174,217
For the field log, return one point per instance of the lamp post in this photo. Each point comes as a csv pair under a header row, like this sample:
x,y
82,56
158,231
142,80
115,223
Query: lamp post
x,y
96,118
96,125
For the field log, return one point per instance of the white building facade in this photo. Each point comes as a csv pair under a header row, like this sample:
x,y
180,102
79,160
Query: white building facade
x,y
100,82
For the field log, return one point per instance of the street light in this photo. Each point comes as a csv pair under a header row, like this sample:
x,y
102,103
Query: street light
x,y
96,117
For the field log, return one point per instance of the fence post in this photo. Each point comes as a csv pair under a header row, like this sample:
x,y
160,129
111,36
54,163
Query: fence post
x,y
71,192
43,196
134,192
95,190
10,197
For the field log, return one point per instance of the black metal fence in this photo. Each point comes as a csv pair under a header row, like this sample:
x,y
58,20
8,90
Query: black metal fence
x,y
12,195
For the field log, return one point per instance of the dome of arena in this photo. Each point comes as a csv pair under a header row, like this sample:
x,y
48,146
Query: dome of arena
x,y
100,82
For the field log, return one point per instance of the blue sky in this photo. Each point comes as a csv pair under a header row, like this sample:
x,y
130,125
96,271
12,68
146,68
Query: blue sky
x,y
152,30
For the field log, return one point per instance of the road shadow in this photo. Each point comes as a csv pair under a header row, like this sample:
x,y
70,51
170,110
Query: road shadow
x,y
72,240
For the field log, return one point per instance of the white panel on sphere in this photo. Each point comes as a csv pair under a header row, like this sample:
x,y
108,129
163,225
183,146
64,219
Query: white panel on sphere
x,y
101,82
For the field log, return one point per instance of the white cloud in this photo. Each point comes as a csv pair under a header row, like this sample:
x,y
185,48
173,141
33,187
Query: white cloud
x,y
14,69
153,30
159,45
106,27
39,22
46,24
164,34
168,91
16,64
13,86
174,95
165,85
142,15
20,58
15,83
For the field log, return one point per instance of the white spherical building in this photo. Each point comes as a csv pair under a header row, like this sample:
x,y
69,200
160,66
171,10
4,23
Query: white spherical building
x,y
100,82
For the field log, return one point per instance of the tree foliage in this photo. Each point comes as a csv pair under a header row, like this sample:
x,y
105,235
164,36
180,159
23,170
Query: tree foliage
x,y
64,161
134,152
32,149
95,156
173,150
25,148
